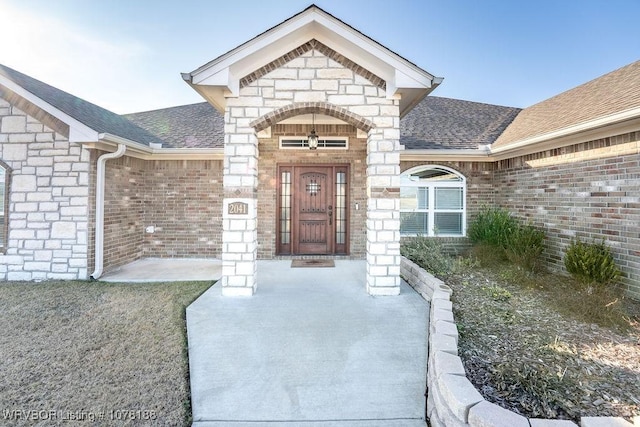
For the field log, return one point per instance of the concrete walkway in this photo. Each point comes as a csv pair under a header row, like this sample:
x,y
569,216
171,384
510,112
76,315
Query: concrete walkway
x,y
310,348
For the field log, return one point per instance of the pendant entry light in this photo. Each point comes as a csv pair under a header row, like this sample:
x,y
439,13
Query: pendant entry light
x,y
312,139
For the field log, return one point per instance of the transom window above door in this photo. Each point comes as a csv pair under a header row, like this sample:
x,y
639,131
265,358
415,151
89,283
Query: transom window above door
x,y
327,142
432,202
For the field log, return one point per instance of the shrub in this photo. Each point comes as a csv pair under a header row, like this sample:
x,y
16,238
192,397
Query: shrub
x,y
428,254
524,246
492,226
591,263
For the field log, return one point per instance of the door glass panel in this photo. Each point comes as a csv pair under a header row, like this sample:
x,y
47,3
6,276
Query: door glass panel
x,y
285,208
341,208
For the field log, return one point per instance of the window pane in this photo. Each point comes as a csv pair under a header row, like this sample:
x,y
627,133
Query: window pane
x,y
341,208
285,208
433,175
414,223
412,198
448,223
448,198
408,198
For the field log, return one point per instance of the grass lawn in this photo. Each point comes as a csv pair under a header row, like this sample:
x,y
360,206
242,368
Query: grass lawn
x,y
113,353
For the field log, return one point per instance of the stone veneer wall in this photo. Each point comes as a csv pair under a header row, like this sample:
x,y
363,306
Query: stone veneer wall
x,y
589,190
181,199
271,156
451,398
48,215
308,76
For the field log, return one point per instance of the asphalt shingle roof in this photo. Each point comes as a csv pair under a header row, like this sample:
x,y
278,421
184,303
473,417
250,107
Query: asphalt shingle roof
x,y
445,123
434,123
612,93
188,126
94,117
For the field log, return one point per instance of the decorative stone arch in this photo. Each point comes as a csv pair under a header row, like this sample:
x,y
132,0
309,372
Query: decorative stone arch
x,y
5,181
300,108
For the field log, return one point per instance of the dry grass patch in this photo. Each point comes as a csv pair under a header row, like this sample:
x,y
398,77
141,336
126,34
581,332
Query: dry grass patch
x,y
96,348
537,344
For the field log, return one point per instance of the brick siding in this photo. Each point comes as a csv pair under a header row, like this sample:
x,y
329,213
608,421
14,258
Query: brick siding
x,y
589,190
181,199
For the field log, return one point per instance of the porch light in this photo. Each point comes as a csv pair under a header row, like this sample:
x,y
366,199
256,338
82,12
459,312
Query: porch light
x,y
312,139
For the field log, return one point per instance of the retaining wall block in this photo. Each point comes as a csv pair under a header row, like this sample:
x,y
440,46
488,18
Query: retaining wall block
x,y
442,304
604,422
486,414
444,327
540,422
442,342
446,363
440,294
440,314
459,394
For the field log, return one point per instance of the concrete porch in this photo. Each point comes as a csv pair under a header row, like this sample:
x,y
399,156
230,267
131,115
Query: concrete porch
x,y
167,270
310,347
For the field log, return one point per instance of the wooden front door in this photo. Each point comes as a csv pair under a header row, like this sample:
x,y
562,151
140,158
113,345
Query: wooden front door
x,y
312,206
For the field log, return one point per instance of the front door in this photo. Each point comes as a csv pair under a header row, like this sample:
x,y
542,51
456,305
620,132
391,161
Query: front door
x,y
312,210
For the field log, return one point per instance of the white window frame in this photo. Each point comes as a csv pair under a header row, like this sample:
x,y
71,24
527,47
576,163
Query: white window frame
x,y
325,138
431,199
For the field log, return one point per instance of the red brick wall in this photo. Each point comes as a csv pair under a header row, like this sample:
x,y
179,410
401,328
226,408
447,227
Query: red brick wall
x,y
589,190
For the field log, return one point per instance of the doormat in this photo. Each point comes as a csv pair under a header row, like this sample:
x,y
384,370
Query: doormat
x,y
302,263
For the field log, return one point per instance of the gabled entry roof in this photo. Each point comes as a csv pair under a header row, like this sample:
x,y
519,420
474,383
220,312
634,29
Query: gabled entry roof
x,y
223,75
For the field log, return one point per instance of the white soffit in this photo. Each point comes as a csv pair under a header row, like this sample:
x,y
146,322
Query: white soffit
x,y
221,76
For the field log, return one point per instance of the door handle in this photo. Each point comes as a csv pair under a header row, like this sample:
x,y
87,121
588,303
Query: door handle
x,y
330,208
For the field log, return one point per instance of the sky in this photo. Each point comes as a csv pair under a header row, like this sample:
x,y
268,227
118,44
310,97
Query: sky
x,y
127,55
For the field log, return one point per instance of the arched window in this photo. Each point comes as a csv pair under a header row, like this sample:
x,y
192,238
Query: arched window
x,y
4,205
432,202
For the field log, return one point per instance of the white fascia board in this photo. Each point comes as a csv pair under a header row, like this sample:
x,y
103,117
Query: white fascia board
x,y
377,50
314,24
78,131
583,129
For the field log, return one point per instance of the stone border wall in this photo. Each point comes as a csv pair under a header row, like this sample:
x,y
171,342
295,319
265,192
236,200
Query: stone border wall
x,y
451,398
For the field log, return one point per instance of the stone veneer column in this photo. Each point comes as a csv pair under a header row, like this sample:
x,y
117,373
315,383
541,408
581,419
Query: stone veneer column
x,y
383,205
240,183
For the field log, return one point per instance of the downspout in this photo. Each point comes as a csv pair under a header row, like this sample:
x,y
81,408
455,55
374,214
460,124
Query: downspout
x,y
99,238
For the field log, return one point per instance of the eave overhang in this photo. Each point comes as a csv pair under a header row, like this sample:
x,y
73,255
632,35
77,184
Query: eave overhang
x,y
221,77
73,129
603,127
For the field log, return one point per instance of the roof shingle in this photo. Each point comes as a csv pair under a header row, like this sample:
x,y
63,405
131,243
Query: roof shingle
x,y
612,93
187,126
92,116
444,123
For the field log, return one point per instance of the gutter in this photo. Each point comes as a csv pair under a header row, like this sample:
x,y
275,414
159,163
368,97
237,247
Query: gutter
x,y
99,238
